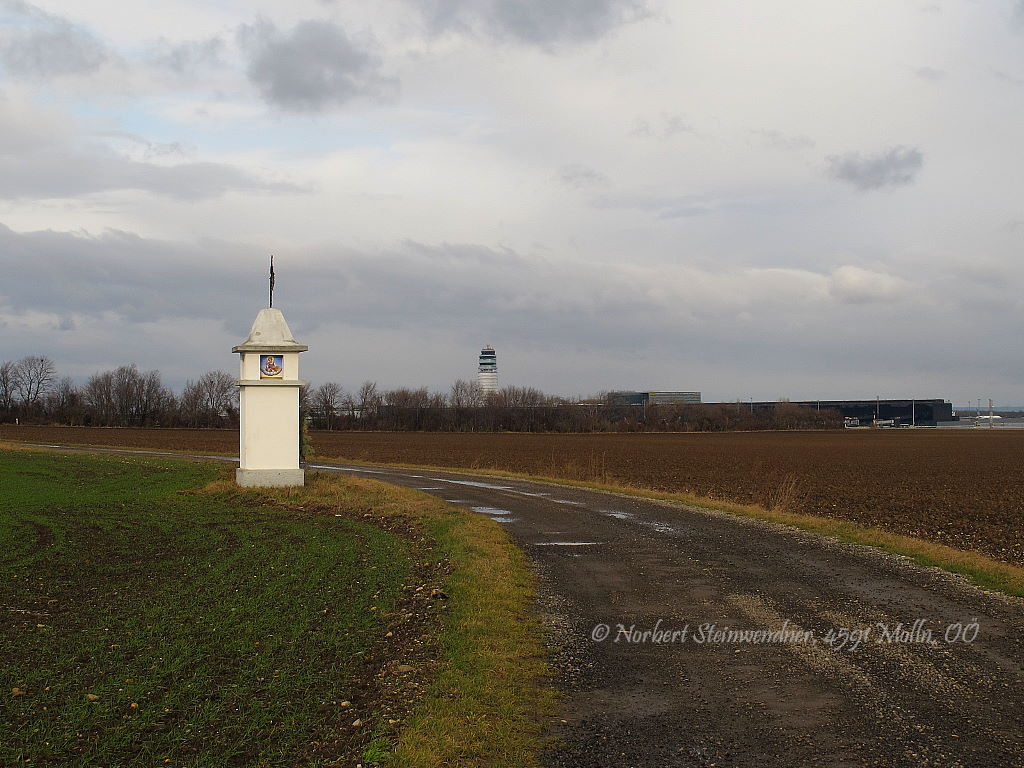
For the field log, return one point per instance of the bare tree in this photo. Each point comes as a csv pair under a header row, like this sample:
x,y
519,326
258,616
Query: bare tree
x,y
33,377
156,402
520,397
327,402
64,404
369,400
351,406
127,398
465,394
190,405
405,408
127,386
403,397
210,401
221,393
6,389
98,395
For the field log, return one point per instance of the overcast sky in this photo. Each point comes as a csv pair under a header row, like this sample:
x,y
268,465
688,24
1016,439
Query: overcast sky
x,y
790,199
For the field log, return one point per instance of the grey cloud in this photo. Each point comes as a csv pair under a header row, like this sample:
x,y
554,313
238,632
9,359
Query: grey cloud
x,y
894,167
642,128
42,157
683,212
857,285
66,171
537,22
675,124
779,140
191,58
39,45
930,73
313,66
166,149
151,149
618,318
139,279
667,126
146,280
662,206
579,176
1008,78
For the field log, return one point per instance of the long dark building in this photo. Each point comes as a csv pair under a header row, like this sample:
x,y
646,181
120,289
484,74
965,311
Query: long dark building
x,y
923,413
653,398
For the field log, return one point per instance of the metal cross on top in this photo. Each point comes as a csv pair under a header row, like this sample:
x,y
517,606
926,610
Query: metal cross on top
x,y
271,281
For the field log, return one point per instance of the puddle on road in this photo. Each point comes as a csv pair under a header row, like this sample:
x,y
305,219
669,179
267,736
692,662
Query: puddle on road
x,y
566,501
473,483
534,494
657,526
616,514
567,543
497,515
343,469
490,511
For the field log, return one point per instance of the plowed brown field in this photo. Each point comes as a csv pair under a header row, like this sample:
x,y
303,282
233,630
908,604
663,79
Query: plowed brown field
x,y
958,487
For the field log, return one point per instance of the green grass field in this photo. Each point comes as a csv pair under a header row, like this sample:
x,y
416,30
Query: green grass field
x,y
153,614
141,624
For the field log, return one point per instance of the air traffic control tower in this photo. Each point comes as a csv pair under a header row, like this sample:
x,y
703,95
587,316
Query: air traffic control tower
x,y
488,375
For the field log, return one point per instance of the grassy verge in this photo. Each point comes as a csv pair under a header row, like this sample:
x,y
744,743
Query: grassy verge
x,y
485,705
981,570
145,622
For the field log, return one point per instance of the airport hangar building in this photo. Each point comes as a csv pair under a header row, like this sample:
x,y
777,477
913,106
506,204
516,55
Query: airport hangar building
x,y
926,412
923,413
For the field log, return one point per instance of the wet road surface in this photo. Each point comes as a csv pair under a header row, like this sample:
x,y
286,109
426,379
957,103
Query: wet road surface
x,y
897,693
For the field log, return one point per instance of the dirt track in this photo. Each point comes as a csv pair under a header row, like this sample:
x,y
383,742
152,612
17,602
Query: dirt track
x,y
609,561
612,564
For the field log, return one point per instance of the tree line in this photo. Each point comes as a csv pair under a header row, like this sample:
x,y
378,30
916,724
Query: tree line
x,y
32,392
464,408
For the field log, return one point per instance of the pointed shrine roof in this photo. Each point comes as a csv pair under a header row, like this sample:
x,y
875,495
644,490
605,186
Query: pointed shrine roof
x,y
270,333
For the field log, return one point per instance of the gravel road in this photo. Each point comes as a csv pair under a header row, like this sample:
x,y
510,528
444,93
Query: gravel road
x,y
688,637
852,666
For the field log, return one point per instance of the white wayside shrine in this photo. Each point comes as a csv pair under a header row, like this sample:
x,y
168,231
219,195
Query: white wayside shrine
x,y
269,404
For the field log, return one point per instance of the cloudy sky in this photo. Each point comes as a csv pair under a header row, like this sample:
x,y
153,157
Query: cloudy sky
x,y
791,199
